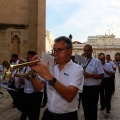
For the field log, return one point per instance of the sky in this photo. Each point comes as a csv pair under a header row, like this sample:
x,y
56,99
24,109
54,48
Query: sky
x,y
83,18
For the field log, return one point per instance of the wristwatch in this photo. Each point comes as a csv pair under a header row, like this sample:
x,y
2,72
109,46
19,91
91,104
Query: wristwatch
x,y
52,82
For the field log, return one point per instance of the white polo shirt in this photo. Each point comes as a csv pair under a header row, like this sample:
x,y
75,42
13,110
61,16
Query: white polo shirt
x,y
113,64
28,88
72,74
16,78
108,67
15,62
94,67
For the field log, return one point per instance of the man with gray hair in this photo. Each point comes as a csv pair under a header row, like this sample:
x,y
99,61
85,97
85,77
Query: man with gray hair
x,y
63,85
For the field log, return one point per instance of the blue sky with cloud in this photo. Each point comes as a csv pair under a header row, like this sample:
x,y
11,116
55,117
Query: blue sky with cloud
x,y
83,18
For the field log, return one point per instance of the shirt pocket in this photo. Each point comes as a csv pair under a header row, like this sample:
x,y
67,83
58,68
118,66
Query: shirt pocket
x,y
91,69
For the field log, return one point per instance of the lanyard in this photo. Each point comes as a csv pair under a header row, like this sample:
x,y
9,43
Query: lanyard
x,y
88,63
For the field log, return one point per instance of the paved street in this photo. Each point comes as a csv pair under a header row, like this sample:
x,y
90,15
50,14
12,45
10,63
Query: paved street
x,y
9,113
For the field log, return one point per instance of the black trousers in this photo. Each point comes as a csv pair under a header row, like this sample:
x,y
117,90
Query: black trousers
x,y
12,94
32,103
79,100
53,116
90,98
44,97
106,93
113,83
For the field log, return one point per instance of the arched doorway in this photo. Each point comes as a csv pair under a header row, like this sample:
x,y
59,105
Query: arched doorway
x,y
15,45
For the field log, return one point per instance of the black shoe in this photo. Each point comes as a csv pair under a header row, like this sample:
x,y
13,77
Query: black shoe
x,y
107,111
1,92
102,108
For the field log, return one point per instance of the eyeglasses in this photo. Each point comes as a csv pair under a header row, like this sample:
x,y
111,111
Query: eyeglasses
x,y
59,50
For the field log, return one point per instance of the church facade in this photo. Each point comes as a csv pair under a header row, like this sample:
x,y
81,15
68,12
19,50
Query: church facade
x,y
106,44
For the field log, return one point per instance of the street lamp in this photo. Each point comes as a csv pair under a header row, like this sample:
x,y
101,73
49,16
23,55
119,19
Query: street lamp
x,y
70,36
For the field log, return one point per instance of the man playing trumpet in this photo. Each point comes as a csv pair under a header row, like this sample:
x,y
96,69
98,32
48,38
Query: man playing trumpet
x,y
63,86
32,98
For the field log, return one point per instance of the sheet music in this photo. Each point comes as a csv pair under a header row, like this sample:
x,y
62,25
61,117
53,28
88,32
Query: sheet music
x,y
80,60
46,57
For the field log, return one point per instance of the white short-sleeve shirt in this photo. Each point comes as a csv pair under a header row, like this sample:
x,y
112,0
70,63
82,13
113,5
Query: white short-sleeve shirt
x,y
108,67
16,78
94,67
28,87
72,74
113,64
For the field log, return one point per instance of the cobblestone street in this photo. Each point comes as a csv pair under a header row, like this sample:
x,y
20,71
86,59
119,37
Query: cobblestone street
x,y
9,113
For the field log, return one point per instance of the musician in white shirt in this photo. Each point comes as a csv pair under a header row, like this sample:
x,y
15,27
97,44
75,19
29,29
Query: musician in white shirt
x,y
32,99
106,84
92,78
63,86
108,60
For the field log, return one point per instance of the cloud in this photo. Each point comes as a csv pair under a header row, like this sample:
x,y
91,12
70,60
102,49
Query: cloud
x,y
83,18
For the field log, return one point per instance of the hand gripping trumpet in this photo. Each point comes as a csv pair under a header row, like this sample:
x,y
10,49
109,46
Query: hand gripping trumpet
x,y
8,69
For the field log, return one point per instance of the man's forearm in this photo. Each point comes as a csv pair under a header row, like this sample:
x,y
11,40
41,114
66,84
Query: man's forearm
x,y
97,76
37,85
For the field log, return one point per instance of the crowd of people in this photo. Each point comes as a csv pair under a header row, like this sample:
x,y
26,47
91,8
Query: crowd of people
x,y
63,91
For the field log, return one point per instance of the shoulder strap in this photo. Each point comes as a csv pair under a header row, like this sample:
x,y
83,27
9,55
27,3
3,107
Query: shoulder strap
x,y
25,69
16,71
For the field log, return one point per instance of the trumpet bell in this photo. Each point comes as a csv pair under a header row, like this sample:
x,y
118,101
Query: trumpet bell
x,y
8,69
6,65
8,74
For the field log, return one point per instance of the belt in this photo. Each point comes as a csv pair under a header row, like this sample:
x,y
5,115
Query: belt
x,y
62,114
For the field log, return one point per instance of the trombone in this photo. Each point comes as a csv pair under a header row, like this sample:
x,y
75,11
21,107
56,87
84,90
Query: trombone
x,y
8,69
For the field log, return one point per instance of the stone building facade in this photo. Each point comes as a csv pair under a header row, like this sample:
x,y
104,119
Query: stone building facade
x,y
107,44
49,42
22,27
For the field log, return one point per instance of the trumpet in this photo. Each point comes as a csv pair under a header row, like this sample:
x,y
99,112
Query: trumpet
x,y
8,69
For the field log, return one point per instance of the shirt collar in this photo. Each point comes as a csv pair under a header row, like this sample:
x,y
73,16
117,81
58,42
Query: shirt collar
x,y
88,59
68,64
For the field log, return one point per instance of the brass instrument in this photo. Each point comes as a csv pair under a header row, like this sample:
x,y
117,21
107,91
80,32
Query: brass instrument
x,y
8,69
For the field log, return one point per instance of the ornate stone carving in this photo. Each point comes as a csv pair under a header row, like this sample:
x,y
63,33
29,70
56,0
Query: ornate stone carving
x,y
16,35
